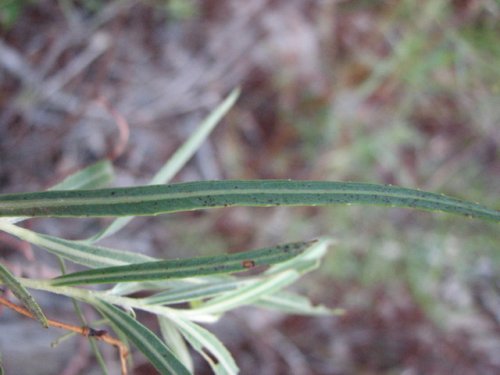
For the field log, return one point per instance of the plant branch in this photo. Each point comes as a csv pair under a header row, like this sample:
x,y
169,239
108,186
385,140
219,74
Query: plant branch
x,y
91,296
100,335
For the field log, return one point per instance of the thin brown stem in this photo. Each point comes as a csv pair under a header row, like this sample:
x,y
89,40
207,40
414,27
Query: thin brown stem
x,y
122,125
100,335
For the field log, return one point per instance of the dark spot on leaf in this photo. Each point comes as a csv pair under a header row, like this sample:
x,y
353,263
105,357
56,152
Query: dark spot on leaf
x,y
248,263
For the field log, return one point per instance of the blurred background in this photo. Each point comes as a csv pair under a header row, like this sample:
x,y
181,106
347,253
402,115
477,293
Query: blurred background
x,y
398,92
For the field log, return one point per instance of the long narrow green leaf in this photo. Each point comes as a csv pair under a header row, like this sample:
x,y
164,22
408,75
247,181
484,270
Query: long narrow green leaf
x,y
229,289
92,177
75,251
158,199
273,280
98,357
292,303
96,175
208,287
245,295
193,143
194,292
175,342
123,289
146,341
179,268
208,346
23,295
306,261
179,158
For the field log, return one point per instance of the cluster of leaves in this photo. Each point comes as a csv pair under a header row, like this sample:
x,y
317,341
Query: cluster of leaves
x,y
208,285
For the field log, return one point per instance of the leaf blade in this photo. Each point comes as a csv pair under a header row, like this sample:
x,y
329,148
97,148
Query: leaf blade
x,y
180,268
245,295
160,199
291,303
194,292
201,339
95,175
76,251
175,341
271,281
146,341
23,295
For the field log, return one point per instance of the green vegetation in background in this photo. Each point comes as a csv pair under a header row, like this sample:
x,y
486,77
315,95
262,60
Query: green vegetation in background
x,y
10,10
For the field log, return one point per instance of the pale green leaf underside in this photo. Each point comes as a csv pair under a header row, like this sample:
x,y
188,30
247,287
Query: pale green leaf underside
x,y
191,267
194,292
75,251
292,303
207,345
23,295
189,148
146,341
175,342
96,175
161,199
245,295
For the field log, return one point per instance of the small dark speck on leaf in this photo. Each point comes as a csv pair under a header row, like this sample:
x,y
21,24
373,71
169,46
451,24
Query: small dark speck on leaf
x,y
248,263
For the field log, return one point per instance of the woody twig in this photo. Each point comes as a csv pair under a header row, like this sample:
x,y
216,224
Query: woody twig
x,y
100,335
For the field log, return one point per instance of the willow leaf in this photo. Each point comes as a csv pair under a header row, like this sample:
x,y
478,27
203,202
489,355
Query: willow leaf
x,y
160,199
194,142
23,295
179,268
207,345
292,303
175,342
91,177
75,251
194,292
146,341
245,295
273,280
306,261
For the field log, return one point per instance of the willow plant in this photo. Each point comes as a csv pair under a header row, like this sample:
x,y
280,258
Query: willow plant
x,y
205,287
